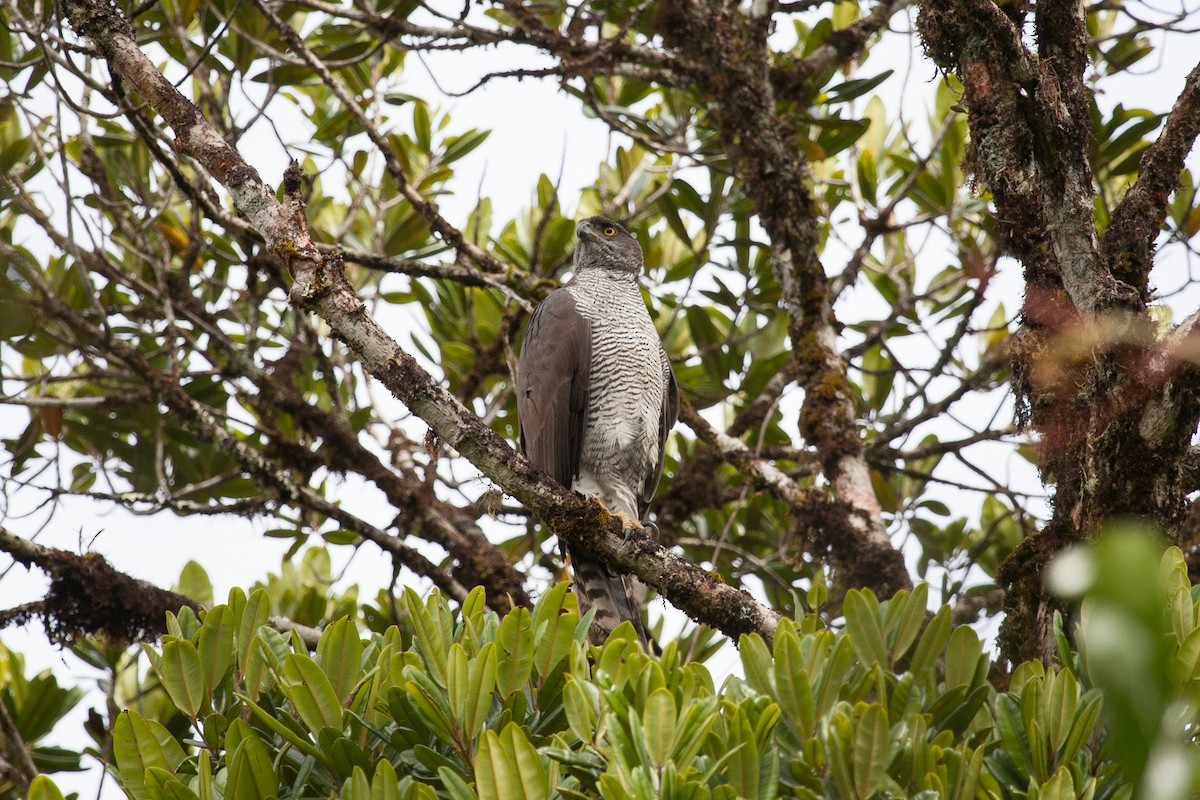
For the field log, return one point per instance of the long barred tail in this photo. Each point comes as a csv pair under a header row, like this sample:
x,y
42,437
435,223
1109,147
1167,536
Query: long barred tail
x,y
612,595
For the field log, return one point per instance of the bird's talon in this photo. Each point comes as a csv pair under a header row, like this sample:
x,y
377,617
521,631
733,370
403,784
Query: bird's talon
x,y
628,526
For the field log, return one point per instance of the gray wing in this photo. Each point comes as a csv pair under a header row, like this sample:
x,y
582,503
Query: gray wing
x,y
552,386
670,415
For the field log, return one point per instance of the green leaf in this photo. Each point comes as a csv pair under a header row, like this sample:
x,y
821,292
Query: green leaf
x,y
40,703
42,788
432,641
165,785
743,766
182,675
1012,733
494,775
756,662
311,693
554,630
215,646
1082,728
429,701
283,731
962,656
457,672
471,617
339,652
580,701
204,776
793,690
1059,787
551,604
257,675
968,780
356,787
422,126
905,618
459,146
456,787
658,726
251,774
195,584
864,625
837,134
508,768
851,89
1186,663
932,643
384,786
516,642
480,685
831,672
1125,52
1059,703
254,616
870,750
138,745
837,748
531,773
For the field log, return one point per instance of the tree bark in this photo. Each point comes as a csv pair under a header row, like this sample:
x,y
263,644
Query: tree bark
x,y
1115,406
731,47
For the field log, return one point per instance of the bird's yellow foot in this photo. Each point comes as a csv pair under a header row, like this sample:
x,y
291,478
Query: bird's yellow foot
x,y
628,524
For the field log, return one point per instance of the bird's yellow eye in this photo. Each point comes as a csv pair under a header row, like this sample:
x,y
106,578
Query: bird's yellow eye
x,y
610,231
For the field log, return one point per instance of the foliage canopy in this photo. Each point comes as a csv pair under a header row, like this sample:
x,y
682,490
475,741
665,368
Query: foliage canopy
x,y
461,703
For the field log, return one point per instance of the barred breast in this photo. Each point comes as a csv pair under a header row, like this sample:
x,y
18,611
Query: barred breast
x,y
626,394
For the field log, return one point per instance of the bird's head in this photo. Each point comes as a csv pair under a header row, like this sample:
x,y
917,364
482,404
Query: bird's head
x,y
604,244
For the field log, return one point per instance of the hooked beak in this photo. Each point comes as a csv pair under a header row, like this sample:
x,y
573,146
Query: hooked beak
x,y
584,231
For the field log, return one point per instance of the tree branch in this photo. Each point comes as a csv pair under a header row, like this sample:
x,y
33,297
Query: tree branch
x,y
1137,219
1030,129
732,47
23,773
137,608
513,281
204,423
761,472
87,596
321,286
794,81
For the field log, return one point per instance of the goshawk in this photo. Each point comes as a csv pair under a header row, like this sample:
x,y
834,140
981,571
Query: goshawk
x,y
596,399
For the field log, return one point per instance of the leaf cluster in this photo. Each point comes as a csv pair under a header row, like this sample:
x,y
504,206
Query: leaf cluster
x,y
893,702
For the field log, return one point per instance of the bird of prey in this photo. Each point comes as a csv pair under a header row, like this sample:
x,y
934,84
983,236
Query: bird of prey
x,y
596,398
